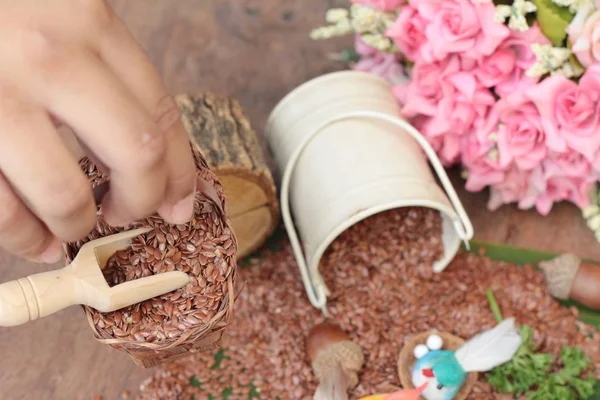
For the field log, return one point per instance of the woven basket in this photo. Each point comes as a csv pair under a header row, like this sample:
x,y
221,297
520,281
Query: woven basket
x,y
205,335
407,359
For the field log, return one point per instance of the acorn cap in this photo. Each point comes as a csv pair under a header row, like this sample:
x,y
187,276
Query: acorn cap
x,y
560,274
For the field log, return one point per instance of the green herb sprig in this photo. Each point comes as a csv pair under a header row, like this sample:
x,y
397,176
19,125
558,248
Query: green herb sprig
x,y
530,373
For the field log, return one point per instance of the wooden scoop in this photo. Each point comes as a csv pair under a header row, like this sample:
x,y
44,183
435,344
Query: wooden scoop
x,y
82,282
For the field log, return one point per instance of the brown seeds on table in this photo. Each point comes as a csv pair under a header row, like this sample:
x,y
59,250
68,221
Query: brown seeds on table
x,y
382,292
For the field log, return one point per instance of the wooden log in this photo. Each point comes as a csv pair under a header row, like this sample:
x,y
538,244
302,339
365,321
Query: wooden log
x,y
221,130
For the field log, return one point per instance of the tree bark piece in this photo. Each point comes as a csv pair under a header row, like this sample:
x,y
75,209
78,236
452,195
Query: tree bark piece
x,y
220,128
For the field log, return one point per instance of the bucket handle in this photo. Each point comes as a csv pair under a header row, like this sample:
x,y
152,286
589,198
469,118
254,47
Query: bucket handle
x,y
315,287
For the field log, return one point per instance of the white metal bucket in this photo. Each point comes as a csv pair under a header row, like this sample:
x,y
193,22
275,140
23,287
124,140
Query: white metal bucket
x,y
346,155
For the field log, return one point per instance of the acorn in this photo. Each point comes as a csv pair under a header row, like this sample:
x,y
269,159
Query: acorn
x,y
335,360
569,278
322,336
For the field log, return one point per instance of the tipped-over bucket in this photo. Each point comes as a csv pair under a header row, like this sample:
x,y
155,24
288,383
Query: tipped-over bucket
x,y
346,154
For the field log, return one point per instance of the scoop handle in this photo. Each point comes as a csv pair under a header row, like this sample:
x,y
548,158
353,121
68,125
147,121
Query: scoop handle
x,y
36,296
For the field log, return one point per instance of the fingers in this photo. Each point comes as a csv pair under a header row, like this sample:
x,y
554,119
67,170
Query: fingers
x,y
21,233
44,174
129,63
122,135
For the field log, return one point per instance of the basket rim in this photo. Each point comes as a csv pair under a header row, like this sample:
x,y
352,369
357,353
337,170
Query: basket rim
x,y
217,323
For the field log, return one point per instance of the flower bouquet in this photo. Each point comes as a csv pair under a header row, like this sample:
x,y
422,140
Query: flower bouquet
x,y
508,89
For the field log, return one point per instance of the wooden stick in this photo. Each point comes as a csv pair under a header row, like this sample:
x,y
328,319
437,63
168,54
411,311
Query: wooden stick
x,y
221,130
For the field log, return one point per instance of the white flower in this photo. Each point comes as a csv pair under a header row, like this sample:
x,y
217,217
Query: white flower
x,y
594,223
341,25
516,14
573,5
569,70
584,11
336,15
359,19
493,154
549,59
367,20
327,32
377,41
591,211
364,19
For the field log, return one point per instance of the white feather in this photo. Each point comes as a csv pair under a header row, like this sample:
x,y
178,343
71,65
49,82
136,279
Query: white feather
x,y
491,348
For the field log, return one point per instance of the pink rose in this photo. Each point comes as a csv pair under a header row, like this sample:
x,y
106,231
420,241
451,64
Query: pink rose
x,y
408,32
568,164
543,192
596,166
511,190
383,5
570,112
584,34
516,125
460,26
426,8
378,63
463,107
424,91
505,68
496,67
479,156
447,147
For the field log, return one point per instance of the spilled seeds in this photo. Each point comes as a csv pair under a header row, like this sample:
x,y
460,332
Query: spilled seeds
x,y
382,292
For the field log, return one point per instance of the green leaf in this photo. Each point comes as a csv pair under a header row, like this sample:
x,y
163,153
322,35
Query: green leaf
x,y
575,61
211,397
195,382
596,395
525,370
350,56
220,356
494,305
227,392
553,20
253,393
510,254
575,360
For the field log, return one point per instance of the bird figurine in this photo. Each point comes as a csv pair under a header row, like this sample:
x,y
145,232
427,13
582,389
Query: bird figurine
x,y
445,371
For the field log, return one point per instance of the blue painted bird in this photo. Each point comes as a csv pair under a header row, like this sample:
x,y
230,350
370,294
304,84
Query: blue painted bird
x,y
445,371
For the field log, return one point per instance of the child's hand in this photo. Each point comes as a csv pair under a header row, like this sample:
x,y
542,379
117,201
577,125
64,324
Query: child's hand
x,y
73,62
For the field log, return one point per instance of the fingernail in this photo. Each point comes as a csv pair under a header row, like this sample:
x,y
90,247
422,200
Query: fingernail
x,y
53,253
183,211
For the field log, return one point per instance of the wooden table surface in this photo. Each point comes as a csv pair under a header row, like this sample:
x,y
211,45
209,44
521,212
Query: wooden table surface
x,y
255,51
